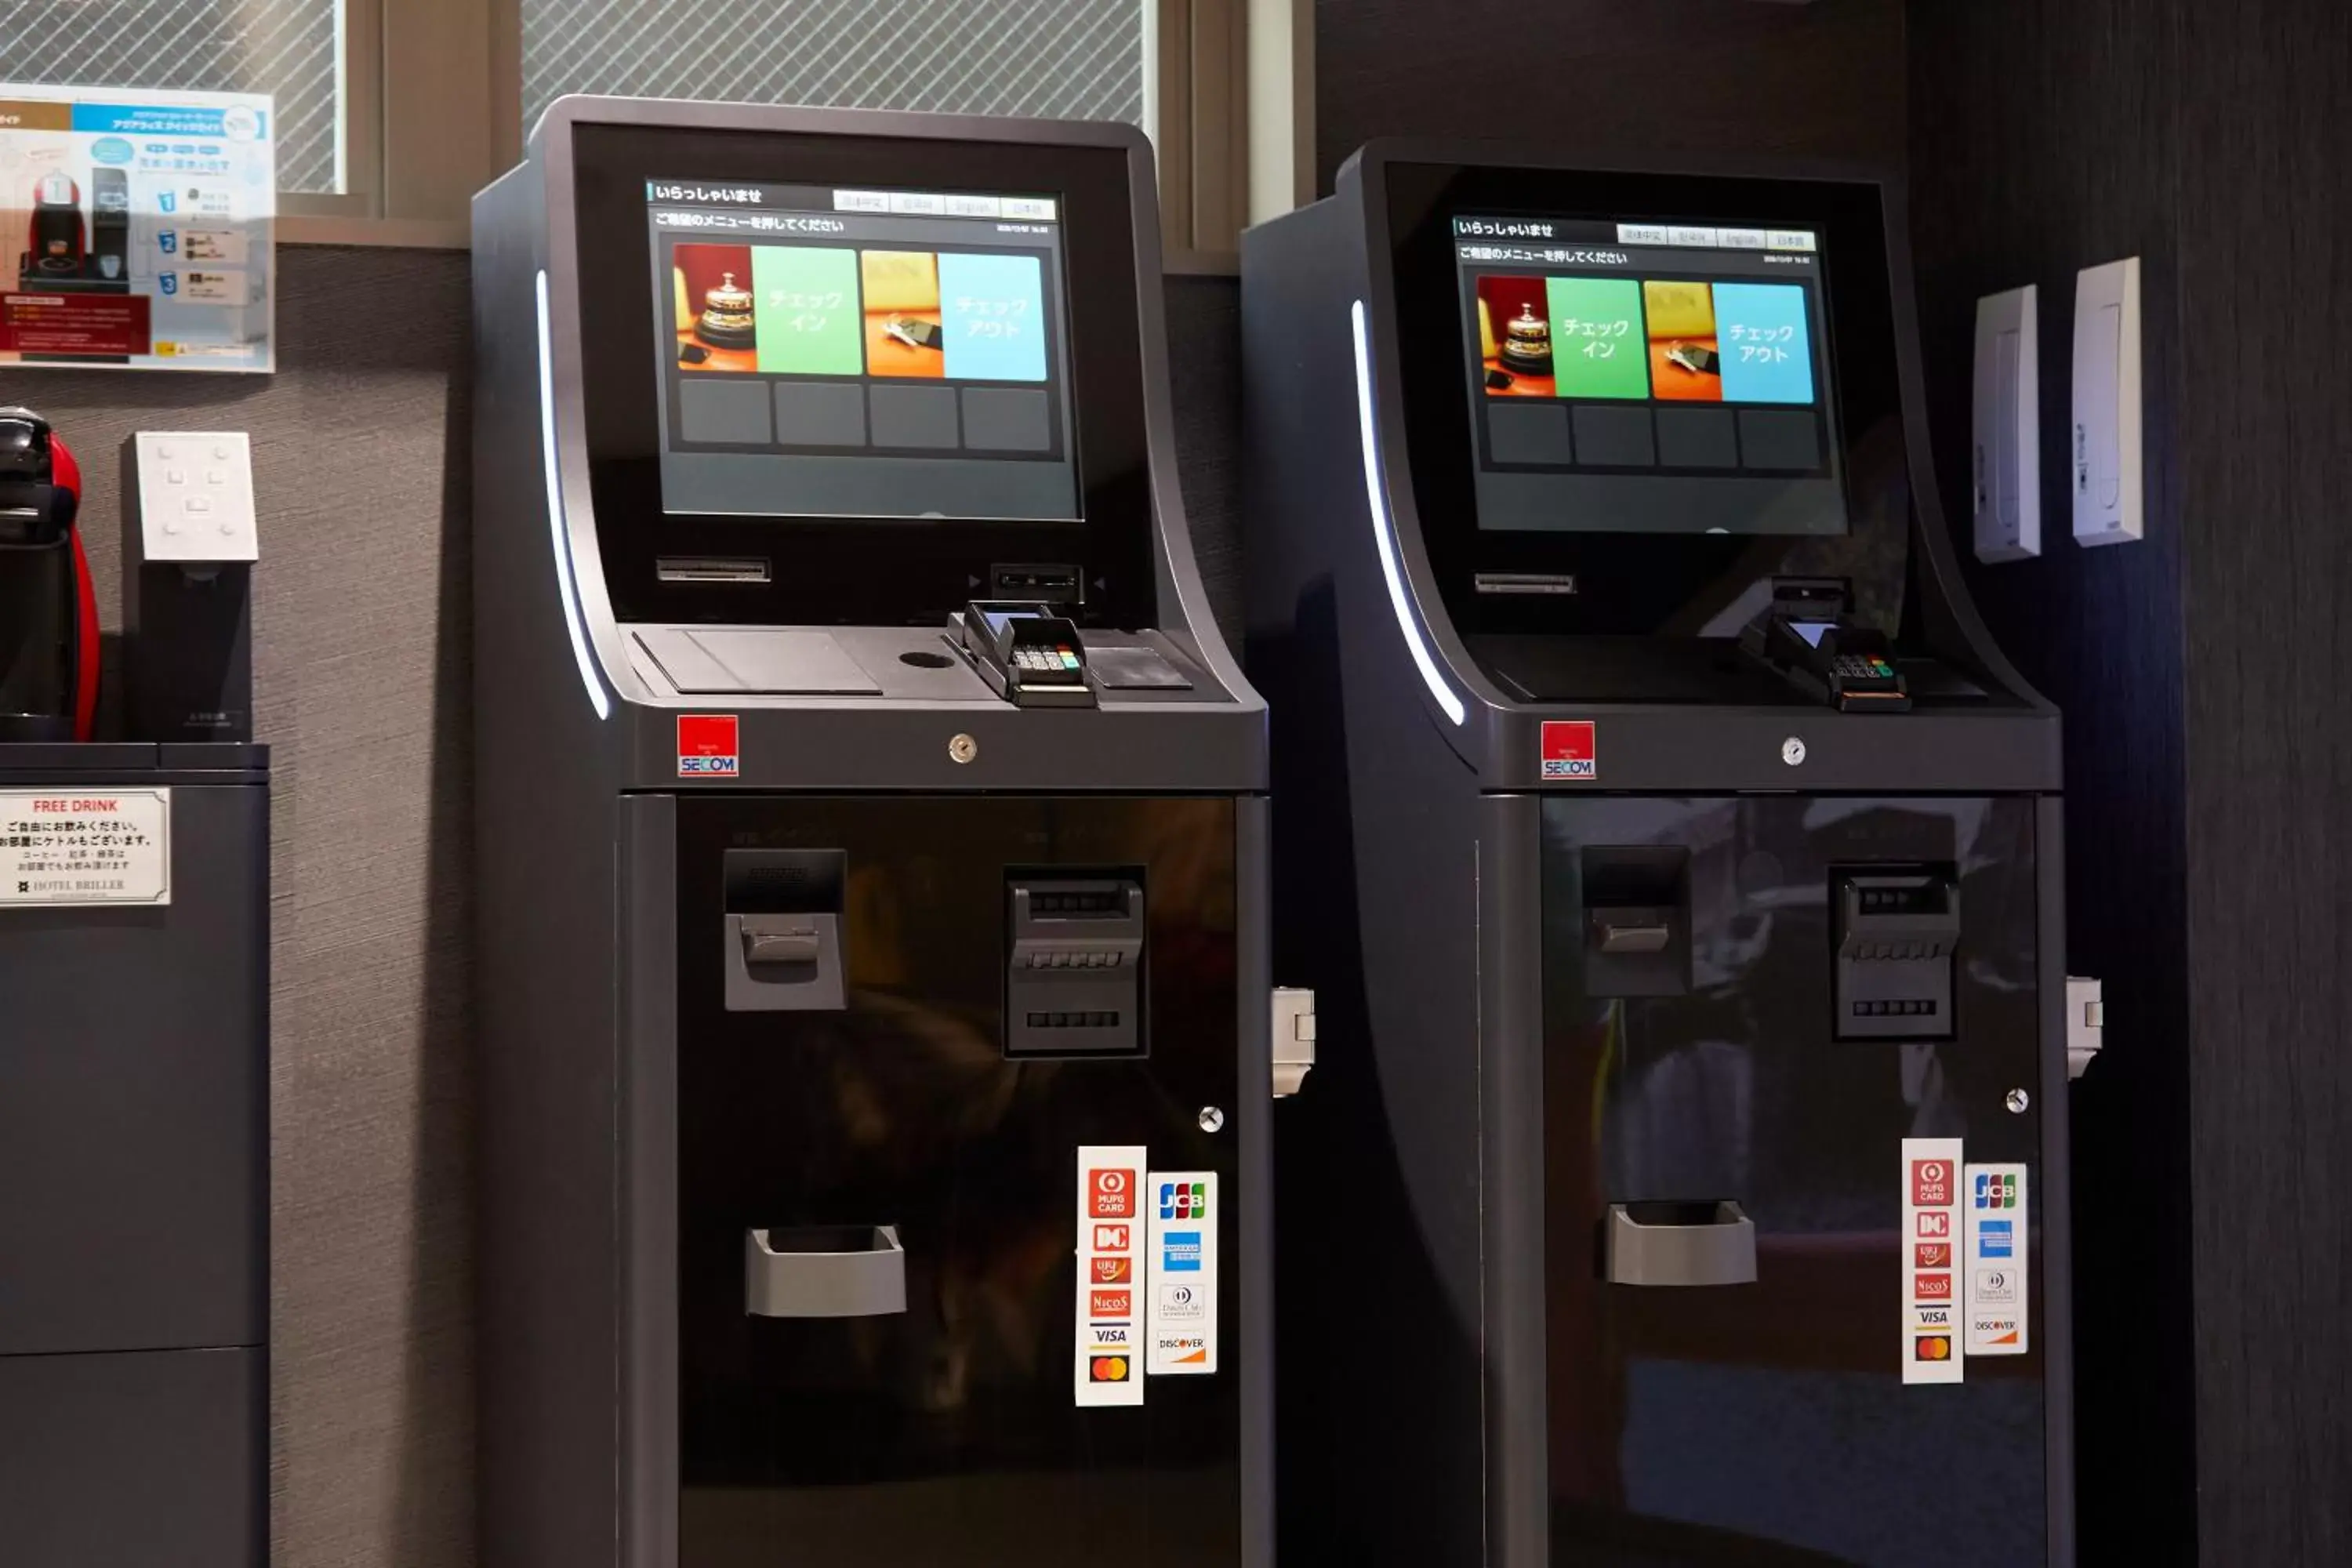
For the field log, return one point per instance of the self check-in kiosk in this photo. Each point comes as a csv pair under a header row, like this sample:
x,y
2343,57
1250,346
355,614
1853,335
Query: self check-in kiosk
x,y
1689,859
871,828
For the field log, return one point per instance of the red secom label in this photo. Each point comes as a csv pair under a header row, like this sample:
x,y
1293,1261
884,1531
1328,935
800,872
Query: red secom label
x,y
1569,750
706,747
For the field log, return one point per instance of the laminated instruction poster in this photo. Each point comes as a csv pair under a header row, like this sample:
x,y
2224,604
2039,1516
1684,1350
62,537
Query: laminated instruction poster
x,y
135,228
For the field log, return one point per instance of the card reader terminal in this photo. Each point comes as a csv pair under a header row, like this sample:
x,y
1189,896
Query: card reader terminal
x,y
1027,654
1807,637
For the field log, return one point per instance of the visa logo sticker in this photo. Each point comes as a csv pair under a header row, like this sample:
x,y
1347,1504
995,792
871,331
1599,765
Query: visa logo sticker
x,y
1570,751
707,746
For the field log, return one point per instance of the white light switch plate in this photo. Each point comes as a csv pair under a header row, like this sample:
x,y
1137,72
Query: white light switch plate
x,y
2105,481
195,497
2005,458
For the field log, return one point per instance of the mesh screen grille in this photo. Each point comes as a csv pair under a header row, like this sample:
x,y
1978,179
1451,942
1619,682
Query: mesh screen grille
x,y
286,48
1054,59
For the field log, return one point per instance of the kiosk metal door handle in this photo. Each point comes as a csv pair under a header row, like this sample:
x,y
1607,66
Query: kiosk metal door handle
x,y
1678,1244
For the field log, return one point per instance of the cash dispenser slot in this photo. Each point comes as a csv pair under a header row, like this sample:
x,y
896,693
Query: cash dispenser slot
x,y
784,932
1074,965
1637,929
1899,936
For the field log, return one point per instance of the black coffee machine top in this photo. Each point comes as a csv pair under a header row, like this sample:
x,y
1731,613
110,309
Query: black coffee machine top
x,y
49,613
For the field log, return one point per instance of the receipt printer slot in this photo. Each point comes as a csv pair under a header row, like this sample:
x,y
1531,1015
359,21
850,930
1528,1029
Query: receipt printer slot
x,y
1074,965
1636,919
784,931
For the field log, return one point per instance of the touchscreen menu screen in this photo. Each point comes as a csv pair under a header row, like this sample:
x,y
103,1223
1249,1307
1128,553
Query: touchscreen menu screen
x,y
884,354
1632,376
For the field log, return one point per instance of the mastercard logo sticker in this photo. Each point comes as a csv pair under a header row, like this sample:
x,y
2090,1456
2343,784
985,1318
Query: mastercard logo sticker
x,y
1110,1369
1925,1347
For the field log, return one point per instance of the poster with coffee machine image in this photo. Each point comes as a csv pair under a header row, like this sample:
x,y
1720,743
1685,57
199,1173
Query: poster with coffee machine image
x,y
137,228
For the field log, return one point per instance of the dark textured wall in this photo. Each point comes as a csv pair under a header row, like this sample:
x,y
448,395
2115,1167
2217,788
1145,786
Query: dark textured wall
x,y
2265,449
1613,76
2207,859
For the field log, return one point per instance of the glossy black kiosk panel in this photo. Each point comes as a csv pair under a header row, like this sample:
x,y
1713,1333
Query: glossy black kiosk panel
x,y
872,949
1689,865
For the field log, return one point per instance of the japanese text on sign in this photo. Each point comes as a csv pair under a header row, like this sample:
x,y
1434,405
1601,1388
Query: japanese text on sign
x,y
71,848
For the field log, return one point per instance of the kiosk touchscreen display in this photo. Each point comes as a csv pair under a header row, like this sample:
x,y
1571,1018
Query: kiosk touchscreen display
x,y
1638,376
861,353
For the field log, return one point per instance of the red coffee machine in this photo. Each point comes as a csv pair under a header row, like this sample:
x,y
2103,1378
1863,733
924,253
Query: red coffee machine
x,y
48,612
58,241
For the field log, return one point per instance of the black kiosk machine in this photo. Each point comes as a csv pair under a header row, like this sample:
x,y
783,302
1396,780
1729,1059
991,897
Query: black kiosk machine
x,y
1692,866
872,856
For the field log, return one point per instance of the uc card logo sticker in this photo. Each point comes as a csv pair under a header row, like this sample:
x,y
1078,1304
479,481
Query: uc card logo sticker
x,y
1569,753
707,746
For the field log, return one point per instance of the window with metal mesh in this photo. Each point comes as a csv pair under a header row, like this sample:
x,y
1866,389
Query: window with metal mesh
x,y
1055,59
290,49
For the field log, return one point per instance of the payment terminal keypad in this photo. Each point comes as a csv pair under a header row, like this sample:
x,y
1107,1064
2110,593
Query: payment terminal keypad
x,y
1043,659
